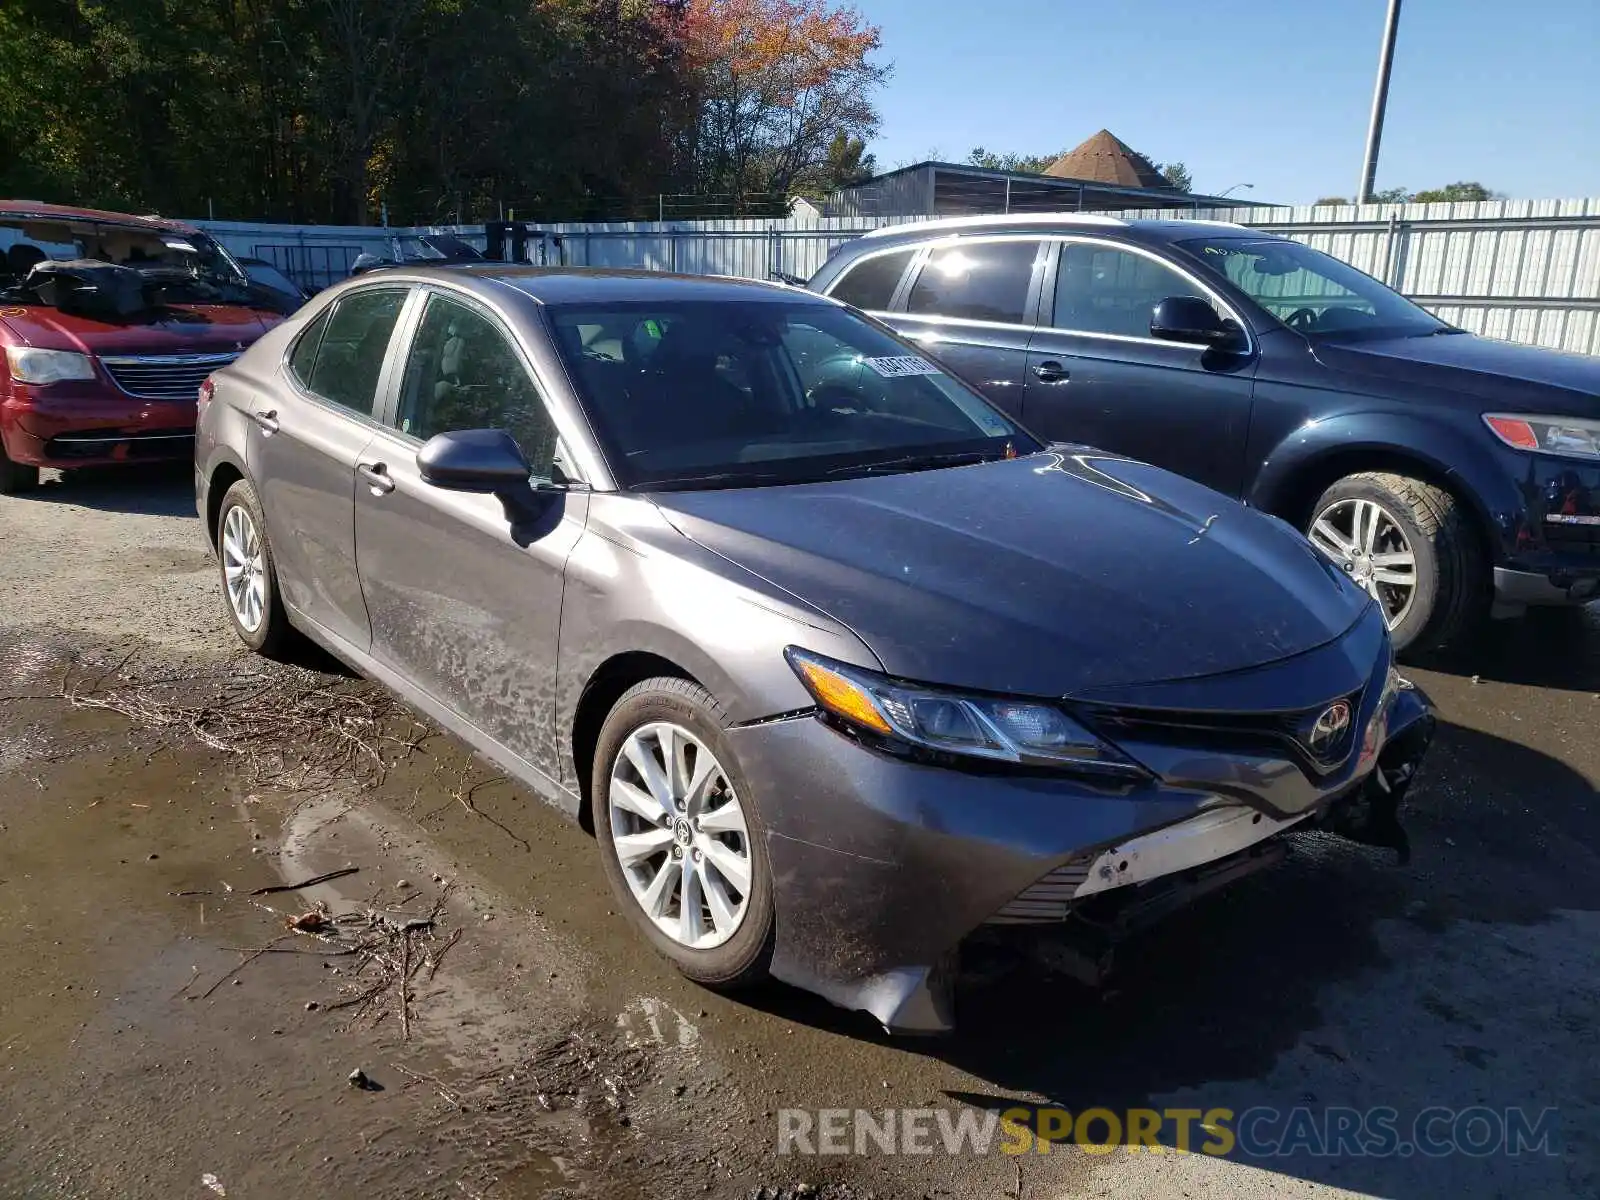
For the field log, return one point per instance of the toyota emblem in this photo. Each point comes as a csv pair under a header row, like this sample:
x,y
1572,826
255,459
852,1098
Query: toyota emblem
x,y
1329,729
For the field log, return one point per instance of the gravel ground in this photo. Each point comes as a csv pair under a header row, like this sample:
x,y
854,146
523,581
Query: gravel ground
x,y
562,1060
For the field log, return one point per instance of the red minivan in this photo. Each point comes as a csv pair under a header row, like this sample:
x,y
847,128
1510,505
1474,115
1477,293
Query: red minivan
x,y
109,323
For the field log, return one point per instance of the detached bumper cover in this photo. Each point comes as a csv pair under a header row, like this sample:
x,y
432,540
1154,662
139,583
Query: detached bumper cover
x,y
883,866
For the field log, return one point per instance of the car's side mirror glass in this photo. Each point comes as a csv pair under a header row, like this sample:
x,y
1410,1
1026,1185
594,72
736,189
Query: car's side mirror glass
x,y
1191,319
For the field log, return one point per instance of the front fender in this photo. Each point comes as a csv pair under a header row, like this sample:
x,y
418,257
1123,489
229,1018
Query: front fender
x,y
1468,465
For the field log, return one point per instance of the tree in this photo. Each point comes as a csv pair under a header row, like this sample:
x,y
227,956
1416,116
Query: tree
x,y
847,163
1452,192
1177,176
1325,200
775,83
991,161
1395,195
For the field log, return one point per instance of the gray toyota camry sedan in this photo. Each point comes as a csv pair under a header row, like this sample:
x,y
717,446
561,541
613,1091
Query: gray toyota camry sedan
x,y
841,666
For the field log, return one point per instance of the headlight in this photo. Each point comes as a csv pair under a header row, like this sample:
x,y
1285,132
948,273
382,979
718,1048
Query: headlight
x,y
29,365
1005,730
1548,435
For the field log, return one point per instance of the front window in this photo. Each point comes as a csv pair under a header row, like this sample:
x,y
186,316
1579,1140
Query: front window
x,y
1310,291
699,394
462,372
1104,289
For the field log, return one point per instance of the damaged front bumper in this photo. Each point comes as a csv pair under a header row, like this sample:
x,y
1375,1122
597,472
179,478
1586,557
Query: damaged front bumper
x,y
882,867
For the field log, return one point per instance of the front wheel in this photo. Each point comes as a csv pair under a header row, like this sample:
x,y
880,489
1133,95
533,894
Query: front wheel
x,y
1411,545
14,476
679,836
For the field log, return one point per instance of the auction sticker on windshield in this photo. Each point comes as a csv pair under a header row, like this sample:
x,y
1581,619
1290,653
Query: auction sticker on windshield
x,y
901,365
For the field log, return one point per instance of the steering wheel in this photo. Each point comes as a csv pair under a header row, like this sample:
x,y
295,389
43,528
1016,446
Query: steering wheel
x,y
1302,318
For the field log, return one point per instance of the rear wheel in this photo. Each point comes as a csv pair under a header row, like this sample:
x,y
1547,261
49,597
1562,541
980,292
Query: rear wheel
x,y
14,476
679,836
249,577
1411,545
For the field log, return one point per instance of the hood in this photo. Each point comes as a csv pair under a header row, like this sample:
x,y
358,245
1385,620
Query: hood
x,y
177,329
1040,576
1503,374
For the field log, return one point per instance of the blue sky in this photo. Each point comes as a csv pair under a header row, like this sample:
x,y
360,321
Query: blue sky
x,y
1276,94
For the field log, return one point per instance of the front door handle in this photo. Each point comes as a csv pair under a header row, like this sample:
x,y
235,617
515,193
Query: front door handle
x,y
1051,371
377,477
267,420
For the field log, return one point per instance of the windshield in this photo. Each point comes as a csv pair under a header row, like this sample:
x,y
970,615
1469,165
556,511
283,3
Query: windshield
x,y
180,267
705,394
1310,291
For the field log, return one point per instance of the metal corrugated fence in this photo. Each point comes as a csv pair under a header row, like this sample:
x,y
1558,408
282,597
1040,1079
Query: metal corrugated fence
x,y
1524,270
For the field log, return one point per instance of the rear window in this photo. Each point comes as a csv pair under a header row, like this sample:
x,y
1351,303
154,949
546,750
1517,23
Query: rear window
x,y
351,349
982,281
871,282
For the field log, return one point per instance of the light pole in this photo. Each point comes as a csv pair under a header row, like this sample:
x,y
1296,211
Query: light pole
x,y
1226,190
1380,101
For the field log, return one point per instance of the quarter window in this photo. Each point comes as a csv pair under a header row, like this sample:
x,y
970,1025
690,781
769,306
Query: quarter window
x,y
463,372
304,356
1100,289
871,282
982,281
348,357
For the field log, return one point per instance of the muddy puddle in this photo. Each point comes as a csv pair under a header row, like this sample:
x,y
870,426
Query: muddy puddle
x,y
164,1031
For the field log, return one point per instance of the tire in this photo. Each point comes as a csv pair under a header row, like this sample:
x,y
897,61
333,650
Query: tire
x,y
1452,582
271,636
15,477
742,959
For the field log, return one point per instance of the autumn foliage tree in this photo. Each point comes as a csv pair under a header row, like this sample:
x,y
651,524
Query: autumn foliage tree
x,y
431,110
781,94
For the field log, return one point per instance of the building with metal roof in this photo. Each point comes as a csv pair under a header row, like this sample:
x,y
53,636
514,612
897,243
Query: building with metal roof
x,y
1103,174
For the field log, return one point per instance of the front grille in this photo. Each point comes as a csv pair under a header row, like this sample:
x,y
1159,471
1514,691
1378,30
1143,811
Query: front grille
x,y
163,376
1049,899
1249,733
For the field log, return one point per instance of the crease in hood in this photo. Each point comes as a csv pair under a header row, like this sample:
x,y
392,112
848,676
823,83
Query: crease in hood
x,y
1042,576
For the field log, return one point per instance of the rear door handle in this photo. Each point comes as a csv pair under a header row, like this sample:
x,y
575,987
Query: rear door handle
x,y
267,420
1051,371
377,477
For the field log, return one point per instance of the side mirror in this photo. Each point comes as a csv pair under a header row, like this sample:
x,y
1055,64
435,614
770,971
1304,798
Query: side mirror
x,y
486,461
1191,319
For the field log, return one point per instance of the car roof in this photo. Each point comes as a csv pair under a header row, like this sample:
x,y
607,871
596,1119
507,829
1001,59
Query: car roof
x,y
37,210
1057,222
590,285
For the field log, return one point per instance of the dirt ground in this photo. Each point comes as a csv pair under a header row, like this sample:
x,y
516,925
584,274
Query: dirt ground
x,y
163,1033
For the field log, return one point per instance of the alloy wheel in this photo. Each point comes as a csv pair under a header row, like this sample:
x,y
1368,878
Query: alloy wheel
x,y
1370,546
244,568
680,835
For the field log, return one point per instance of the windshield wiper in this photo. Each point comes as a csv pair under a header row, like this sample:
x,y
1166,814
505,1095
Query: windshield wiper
x,y
715,479
919,462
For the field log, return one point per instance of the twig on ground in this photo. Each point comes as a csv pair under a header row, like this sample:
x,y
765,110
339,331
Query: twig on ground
x,y
405,984
304,883
418,1077
434,960
250,958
